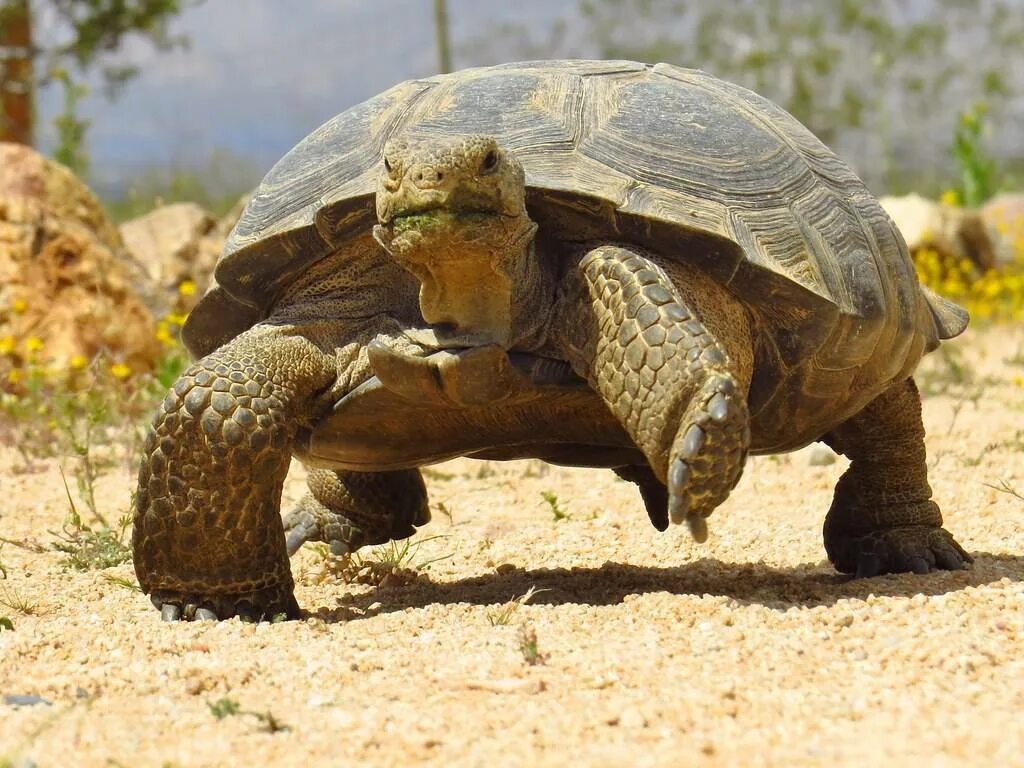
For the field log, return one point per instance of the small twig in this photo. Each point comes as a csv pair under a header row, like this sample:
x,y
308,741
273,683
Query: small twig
x,y
1005,487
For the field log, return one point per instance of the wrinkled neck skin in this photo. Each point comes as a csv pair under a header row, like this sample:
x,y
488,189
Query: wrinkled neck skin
x,y
481,281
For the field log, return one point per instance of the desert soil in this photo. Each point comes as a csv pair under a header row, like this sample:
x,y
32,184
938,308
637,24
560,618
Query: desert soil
x,y
650,649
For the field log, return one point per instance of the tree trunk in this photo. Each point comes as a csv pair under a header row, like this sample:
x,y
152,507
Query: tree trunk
x,y
444,52
15,71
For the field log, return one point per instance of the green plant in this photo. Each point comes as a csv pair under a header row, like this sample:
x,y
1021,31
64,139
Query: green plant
x,y
229,707
6,623
90,548
528,646
556,510
502,614
16,601
386,564
122,582
977,168
70,128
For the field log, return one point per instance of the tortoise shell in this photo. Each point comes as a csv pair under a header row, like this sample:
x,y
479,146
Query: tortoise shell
x,y
675,160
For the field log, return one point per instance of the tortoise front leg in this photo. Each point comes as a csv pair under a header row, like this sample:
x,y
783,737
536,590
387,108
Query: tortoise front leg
x,y
349,510
208,540
883,519
667,378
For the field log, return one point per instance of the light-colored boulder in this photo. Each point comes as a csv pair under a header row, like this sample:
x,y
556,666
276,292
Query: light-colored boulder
x,y
1004,217
954,232
66,290
178,246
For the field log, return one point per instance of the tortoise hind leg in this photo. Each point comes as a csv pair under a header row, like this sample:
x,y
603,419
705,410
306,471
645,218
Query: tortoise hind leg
x,y
348,510
883,519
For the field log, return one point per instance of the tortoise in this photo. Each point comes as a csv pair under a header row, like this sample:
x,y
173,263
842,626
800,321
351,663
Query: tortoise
x,y
593,263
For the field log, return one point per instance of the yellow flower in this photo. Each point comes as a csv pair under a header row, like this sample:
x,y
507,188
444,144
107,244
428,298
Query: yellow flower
x,y
950,197
163,335
7,345
176,318
34,344
14,377
1019,381
120,371
19,306
187,288
78,362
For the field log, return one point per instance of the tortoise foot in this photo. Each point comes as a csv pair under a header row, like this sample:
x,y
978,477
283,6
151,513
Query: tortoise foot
x,y
912,548
708,453
260,605
341,534
349,510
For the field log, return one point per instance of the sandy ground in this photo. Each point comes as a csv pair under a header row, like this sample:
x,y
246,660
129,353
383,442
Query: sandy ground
x,y
651,650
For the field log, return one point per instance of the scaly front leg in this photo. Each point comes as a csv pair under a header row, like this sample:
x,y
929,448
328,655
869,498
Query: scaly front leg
x,y
208,538
646,351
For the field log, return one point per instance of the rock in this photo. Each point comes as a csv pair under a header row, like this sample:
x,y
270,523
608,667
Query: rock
x,y
27,175
821,455
67,289
1004,217
177,247
166,242
25,700
954,232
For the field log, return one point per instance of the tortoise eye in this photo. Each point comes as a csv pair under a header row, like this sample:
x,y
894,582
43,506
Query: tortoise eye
x,y
490,161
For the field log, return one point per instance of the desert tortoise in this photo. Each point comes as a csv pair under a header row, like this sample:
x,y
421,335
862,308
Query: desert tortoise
x,y
599,263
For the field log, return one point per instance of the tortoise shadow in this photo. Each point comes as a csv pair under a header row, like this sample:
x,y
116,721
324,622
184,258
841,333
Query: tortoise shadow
x,y
806,585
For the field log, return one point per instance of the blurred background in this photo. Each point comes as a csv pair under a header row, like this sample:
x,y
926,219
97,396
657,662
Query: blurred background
x,y
197,99
168,113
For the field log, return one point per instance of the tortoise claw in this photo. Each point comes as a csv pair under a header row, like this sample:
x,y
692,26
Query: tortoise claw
x,y
261,605
301,531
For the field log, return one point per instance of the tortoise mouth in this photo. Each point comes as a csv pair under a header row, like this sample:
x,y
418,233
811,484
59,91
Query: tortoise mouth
x,y
441,211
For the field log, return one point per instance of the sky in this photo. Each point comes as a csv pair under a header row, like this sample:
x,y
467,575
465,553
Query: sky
x,y
258,75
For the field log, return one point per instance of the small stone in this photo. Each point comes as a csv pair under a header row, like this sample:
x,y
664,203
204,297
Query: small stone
x,y
631,718
821,456
25,700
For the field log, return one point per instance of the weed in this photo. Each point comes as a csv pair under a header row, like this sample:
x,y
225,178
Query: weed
x,y
3,568
1005,487
88,548
502,614
977,168
556,510
224,708
16,601
445,510
6,623
229,707
122,582
536,468
436,474
392,563
528,646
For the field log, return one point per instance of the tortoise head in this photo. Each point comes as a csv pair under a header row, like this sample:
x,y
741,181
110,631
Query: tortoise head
x,y
465,174
452,211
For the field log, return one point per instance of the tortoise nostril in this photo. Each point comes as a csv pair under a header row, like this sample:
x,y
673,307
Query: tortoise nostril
x,y
439,175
